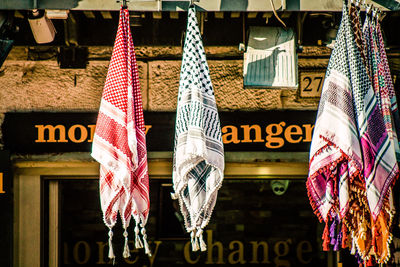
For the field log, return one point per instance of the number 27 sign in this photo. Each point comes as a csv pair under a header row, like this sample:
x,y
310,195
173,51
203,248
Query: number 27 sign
x,y
311,83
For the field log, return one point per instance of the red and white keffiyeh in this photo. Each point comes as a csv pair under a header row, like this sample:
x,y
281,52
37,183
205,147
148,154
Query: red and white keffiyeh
x,y
119,143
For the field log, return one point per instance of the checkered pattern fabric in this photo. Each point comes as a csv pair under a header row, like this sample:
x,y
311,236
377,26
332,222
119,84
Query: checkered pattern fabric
x,y
353,153
335,155
119,143
198,154
376,132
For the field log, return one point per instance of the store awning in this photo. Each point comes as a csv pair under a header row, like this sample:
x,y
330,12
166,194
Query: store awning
x,y
205,5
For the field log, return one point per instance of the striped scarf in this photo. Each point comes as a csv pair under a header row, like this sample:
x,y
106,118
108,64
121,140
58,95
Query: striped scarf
x,y
380,193
335,155
119,143
352,159
198,154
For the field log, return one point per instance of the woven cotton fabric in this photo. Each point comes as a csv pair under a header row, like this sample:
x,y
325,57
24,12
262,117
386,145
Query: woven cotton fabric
x,y
198,154
353,153
119,143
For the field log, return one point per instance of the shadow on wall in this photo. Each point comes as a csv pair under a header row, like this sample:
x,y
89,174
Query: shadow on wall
x,y
233,5
260,73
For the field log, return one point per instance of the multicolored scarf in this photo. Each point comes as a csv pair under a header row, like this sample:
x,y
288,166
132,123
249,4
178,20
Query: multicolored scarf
x,y
335,155
383,88
352,162
119,143
391,116
199,155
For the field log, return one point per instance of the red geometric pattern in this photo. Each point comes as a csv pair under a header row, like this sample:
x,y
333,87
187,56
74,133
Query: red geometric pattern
x,y
119,143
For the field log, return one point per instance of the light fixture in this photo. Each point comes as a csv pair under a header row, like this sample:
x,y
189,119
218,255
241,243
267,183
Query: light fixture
x,y
6,28
42,28
271,59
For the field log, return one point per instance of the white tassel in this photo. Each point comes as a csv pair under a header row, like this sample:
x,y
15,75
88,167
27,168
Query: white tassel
x,y
138,243
110,248
353,247
126,253
195,243
199,234
146,245
174,196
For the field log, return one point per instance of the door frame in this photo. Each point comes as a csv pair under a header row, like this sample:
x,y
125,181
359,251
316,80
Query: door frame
x,y
28,195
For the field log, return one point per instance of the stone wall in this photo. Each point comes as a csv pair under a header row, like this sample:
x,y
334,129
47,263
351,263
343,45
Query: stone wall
x,y
40,85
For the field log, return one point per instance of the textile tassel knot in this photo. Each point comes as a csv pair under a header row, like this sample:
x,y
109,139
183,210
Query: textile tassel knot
x,y
146,245
199,234
194,240
126,253
325,237
353,247
332,232
110,248
174,196
138,242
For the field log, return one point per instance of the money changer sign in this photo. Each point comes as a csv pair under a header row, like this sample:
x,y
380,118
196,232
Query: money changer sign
x,y
241,131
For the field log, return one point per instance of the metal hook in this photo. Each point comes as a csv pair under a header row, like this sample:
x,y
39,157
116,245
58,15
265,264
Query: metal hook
x,y
368,9
364,4
192,2
124,3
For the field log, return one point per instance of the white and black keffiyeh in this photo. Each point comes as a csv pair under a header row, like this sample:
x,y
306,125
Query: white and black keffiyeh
x,y
198,155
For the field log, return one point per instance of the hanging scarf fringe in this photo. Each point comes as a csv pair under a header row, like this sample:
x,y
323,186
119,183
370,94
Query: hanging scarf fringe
x,y
199,234
345,236
111,254
146,245
138,242
126,253
194,241
325,237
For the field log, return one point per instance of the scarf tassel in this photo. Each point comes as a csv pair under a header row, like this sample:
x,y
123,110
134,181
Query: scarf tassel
x,y
111,254
199,234
325,237
146,244
345,236
194,240
126,253
138,242
353,247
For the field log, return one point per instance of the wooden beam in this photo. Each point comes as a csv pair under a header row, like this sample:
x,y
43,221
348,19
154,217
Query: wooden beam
x,y
252,15
106,14
157,15
174,15
219,15
89,14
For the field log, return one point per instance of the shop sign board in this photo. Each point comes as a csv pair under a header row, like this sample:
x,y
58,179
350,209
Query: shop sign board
x,y
6,204
241,131
311,83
